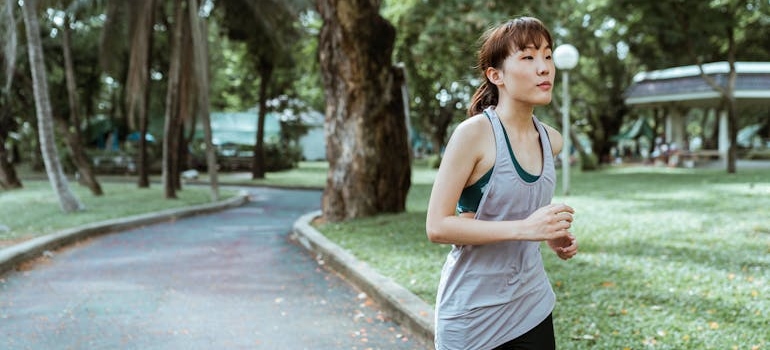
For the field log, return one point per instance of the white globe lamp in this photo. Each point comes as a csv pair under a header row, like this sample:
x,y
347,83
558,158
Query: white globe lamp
x,y
565,57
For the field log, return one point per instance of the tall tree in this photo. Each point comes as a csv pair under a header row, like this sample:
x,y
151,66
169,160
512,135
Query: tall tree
x,y
172,125
142,22
8,39
366,134
67,200
201,62
602,76
269,29
72,132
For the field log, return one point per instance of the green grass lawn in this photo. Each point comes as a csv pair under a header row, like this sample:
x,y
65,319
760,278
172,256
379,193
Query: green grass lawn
x,y
34,210
311,174
669,258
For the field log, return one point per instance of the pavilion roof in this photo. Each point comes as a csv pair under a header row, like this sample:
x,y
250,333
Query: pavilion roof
x,y
684,85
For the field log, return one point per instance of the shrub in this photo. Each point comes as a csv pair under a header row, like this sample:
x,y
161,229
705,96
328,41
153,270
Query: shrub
x,y
281,157
589,161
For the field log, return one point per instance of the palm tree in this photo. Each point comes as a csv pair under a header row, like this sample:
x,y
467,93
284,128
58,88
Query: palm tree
x,y
67,200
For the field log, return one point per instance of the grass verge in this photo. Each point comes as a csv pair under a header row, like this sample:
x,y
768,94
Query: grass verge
x,y
34,210
307,174
669,258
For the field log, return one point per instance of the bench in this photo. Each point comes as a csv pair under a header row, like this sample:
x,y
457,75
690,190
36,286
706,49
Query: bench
x,y
691,158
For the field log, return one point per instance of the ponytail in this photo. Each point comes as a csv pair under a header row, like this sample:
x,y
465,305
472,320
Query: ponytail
x,y
486,95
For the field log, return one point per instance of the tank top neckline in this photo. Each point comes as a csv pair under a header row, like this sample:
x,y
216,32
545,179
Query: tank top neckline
x,y
525,176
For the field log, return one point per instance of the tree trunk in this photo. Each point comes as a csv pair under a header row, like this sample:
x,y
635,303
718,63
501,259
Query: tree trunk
x,y
732,133
439,125
67,200
82,162
8,177
73,137
8,46
187,95
366,134
258,161
171,125
137,82
143,161
732,113
200,42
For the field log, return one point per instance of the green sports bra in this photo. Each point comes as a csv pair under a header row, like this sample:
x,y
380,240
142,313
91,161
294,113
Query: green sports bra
x,y
470,198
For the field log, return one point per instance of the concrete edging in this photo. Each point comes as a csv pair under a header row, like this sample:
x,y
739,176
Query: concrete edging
x,y
16,254
401,305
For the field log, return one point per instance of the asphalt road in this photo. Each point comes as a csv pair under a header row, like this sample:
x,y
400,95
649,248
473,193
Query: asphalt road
x,y
228,280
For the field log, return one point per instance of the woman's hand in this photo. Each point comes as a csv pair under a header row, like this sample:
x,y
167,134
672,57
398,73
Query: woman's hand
x,y
565,247
550,222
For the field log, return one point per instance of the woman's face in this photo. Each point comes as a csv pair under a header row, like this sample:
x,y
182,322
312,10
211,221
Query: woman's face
x,y
527,75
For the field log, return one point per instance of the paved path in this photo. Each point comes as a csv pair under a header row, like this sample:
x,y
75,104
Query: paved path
x,y
228,280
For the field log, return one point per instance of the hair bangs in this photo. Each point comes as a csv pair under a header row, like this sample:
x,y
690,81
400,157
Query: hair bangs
x,y
526,31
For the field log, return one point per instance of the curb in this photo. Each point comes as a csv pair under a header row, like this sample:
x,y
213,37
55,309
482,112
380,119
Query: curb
x,y
12,256
401,305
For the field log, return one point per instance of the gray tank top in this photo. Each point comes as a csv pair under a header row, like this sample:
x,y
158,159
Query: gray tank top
x,y
490,294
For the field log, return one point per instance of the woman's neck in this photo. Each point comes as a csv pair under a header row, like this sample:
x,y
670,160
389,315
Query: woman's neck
x,y
516,115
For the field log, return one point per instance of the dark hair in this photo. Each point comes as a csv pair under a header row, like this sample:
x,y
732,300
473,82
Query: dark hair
x,y
497,44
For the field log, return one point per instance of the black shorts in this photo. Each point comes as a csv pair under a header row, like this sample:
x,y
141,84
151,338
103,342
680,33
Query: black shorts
x,y
539,338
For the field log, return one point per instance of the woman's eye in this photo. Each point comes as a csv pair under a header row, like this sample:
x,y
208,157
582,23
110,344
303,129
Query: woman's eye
x,y
549,57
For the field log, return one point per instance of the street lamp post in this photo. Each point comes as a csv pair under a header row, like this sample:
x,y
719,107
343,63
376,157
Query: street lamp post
x,y
565,57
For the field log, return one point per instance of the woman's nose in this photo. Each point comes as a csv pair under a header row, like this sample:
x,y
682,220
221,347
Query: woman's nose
x,y
543,68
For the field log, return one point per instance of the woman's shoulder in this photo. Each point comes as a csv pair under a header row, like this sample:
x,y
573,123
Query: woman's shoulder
x,y
474,125
471,134
554,136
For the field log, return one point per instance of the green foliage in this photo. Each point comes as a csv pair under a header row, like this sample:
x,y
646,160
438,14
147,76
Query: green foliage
x,y
234,80
268,30
758,154
280,156
589,161
436,41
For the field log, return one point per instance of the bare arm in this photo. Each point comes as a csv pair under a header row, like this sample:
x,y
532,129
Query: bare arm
x,y
466,148
566,246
